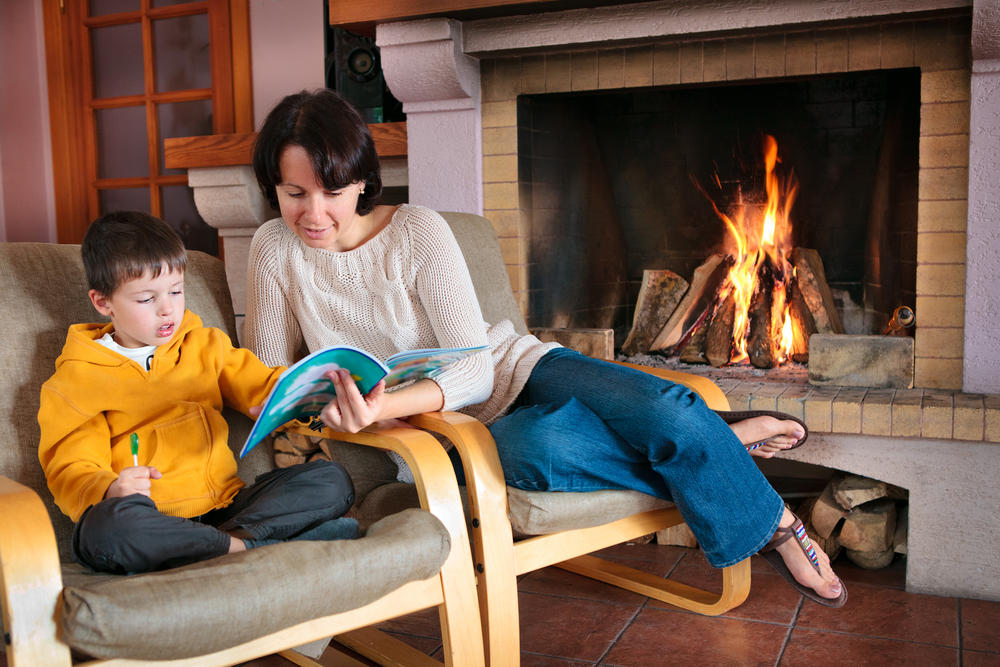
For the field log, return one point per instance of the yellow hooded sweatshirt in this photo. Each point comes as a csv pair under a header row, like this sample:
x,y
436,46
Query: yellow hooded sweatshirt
x,y
97,399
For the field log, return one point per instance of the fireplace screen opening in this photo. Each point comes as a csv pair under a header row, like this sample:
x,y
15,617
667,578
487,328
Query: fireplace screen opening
x,y
784,183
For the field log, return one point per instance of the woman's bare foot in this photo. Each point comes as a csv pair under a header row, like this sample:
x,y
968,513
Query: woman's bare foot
x,y
774,435
825,582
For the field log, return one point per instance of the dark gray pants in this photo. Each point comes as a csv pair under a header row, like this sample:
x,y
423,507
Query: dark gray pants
x,y
129,535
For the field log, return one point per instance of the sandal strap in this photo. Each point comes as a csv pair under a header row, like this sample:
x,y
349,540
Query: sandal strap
x,y
798,531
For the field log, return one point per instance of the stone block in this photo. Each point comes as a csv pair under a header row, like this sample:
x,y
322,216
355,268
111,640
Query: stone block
x,y
861,361
597,343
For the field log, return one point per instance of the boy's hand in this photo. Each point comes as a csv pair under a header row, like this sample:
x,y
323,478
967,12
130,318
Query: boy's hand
x,y
134,479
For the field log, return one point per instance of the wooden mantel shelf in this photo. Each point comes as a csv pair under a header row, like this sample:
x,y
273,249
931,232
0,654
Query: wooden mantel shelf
x,y
226,150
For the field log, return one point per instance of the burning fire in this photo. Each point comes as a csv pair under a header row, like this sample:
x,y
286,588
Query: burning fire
x,y
760,239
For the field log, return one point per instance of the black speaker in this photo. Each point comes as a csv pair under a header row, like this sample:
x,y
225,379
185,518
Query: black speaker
x,y
354,70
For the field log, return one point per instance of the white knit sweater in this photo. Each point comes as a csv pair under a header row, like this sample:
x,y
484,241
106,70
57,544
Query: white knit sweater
x,y
406,288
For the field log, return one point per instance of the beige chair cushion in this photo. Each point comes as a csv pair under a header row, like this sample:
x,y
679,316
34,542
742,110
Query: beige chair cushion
x,y
215,604
544,512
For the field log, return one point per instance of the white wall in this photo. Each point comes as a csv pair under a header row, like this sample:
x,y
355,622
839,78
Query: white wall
x,y
27,194
287,49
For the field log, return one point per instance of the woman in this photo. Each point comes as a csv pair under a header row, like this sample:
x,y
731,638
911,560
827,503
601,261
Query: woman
x,y
337,268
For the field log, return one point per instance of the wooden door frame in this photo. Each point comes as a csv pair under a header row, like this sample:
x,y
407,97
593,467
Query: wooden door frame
x,y
69,126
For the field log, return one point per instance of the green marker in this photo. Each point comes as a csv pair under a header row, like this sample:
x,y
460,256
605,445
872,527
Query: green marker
x,y
134,439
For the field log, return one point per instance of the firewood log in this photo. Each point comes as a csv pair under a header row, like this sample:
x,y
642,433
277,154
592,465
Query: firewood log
x,y
870,560
853,490
694,351
826,514
803,324
659,294
815,290
706,283
719,337
870,527
760,341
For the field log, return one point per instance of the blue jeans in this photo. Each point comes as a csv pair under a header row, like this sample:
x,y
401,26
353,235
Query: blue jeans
x,y
581,424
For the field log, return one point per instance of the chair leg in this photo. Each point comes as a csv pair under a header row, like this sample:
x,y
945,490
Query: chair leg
x,y
735,584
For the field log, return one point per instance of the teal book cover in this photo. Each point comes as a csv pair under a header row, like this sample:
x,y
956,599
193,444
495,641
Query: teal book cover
x,y
303,390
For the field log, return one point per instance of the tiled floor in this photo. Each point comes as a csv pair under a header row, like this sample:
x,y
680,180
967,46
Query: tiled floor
x,y
569,620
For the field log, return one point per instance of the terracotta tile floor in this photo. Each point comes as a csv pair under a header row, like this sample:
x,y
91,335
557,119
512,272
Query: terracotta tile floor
x,y
570,620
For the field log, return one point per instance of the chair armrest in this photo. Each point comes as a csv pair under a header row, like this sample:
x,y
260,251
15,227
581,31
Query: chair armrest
x,y
30,577
708,390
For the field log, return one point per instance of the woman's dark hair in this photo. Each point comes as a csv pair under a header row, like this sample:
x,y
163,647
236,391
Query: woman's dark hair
x,y
334,135
124,245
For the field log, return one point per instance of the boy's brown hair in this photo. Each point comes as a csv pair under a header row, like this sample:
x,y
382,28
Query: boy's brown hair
x,y
124,245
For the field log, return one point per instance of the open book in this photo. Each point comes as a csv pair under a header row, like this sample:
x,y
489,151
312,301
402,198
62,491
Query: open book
x,y
303,390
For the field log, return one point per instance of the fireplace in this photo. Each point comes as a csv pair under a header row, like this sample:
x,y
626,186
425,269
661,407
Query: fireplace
x,y
906,80
622,181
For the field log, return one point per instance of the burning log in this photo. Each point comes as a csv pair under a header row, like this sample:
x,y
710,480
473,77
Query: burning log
x,y
719,337
706,282
815,290
694,351
760,342
659,294
803,324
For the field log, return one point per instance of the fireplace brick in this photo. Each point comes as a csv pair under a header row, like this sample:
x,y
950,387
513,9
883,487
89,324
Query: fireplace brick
x,y
769,56
942,216
499,168
500,195
944,118
948,150
940,280
969,415
666,64
864,48
583,71
739,58
532,74
941,45
847,410
766,398
714,61
897,45
944,183
930,372
691,60
831,51
932,341
941,247
792,401
945,86
558,72
991,406
800,53
500,141
819,408
611,68
500,114
876,412
906,406
937,414
639,66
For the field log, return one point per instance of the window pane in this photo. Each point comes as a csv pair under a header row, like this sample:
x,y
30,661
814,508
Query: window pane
x,y
179,210
102,7
183,119
125,199
117,54
122,149
182,54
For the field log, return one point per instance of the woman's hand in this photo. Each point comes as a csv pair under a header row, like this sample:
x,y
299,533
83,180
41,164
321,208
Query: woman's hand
x,y
350,411
134,479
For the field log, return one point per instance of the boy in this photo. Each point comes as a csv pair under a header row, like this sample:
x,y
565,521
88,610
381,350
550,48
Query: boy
x,y
155,374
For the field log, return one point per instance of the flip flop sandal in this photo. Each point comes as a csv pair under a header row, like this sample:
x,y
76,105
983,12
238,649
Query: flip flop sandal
x,y
798,532
731,417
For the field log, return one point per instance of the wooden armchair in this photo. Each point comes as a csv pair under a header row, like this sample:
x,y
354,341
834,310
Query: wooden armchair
x,y
229,609
516,531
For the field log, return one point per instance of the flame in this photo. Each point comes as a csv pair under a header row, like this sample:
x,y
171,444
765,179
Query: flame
x,y
757,237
